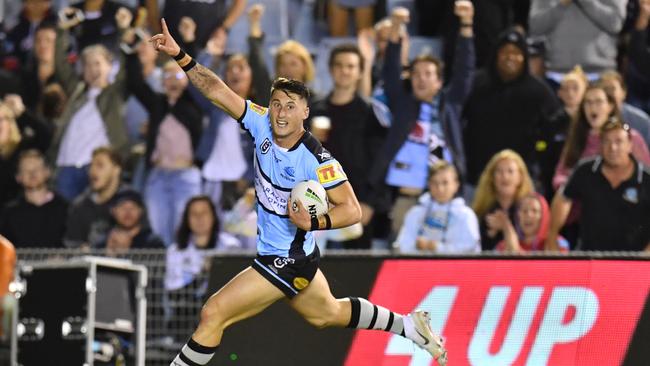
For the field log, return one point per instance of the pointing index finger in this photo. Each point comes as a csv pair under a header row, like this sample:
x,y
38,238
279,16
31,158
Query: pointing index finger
x,y
164,27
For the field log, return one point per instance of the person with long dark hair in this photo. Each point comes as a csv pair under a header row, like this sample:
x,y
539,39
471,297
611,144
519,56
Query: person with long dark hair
x,y
597,108
197,238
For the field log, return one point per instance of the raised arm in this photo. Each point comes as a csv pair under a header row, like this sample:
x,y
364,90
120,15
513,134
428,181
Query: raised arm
x,y
207,82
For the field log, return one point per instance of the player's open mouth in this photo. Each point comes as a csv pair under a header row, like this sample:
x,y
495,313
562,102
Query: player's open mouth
x,y
281,123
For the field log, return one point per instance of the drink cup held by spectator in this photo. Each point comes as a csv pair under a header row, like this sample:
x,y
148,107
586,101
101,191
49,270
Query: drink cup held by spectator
x,y
440,222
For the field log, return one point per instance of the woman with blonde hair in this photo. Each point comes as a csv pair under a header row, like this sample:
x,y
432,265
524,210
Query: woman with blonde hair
x,y
14,119
503,182
292,59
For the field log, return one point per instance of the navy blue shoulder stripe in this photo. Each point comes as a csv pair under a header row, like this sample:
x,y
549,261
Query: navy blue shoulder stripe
x,y
268,179
336,185
240,120
316,148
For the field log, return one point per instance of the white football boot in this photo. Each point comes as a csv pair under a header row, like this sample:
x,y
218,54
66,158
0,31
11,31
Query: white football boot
x,y
433,343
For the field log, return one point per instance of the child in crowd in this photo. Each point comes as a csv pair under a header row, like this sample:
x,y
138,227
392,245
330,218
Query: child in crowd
x,y
440,221
530,228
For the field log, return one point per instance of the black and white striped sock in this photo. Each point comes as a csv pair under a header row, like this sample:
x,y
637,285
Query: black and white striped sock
x,y
194,354
366,315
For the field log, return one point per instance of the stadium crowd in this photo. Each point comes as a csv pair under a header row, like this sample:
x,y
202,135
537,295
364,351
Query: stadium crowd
x,y
522,126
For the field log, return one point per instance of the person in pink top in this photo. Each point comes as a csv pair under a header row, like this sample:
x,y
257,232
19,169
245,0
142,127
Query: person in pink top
x,y
530,227
584,135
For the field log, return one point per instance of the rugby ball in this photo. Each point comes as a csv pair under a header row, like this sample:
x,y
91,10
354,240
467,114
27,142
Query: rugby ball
x,y
313,197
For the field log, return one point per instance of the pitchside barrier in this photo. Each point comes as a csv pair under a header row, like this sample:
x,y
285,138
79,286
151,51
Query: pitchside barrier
x,y
545,309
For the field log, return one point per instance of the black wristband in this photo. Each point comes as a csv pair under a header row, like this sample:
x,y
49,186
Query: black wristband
x,y
189,66
180,55
314,223
328,222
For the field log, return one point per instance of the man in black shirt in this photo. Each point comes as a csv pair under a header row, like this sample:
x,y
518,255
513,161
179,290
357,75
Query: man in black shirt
x,y
37,217
614,190
354,135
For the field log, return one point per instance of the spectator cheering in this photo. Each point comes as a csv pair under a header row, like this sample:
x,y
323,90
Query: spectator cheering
x,y
440,221
89,215
37,207
635,117
504,181
530,228
426,126
131,227
614,191
506,107
584,138
93,115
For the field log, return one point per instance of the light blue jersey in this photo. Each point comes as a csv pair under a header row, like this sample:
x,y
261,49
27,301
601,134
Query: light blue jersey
x,y
277,170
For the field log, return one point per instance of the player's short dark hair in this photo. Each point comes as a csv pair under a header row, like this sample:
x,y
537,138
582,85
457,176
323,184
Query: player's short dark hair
x,y
430,59
291,86
346,48
111,153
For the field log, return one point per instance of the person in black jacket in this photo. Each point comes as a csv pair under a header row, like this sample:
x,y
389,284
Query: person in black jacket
x,y
19,130
173,133
506,108
426,118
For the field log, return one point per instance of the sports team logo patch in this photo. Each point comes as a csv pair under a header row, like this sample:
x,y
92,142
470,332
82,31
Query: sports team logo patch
x,y
258,109
330,173
266,145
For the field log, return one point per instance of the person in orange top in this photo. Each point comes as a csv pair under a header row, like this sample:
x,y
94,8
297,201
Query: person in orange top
x,y
7,265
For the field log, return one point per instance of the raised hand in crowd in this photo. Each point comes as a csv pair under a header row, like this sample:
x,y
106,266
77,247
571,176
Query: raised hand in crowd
x,y
464,10
366,44
69,18
255,14
399,18
187,30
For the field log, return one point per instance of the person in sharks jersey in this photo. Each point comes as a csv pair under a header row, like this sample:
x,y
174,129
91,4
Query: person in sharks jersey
x,y
287,261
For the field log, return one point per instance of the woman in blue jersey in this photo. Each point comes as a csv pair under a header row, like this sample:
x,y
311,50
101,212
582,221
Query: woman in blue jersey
x,y
287,261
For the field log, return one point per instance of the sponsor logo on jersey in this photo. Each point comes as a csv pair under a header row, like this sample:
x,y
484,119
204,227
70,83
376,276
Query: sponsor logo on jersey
x,y
258,109
324,155
290,171
280,262
265,146
330,173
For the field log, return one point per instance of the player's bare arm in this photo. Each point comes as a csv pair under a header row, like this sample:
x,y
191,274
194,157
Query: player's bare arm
x,y
346,210
207,82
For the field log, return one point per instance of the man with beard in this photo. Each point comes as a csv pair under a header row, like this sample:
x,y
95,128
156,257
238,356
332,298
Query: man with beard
x,y
89,216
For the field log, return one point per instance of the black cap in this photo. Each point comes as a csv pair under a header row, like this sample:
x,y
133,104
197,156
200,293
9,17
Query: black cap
x,y
127,195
